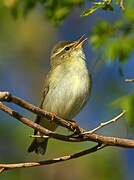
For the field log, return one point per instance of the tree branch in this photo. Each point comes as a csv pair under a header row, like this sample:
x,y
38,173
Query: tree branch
x,y
77,136
5,167
6,96
33,125
106,123
112,141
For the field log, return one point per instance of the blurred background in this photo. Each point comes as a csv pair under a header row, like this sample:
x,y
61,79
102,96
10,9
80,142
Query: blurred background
x,y
28,31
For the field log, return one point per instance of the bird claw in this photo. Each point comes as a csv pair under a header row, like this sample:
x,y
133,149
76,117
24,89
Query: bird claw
x,y
53,115
75,127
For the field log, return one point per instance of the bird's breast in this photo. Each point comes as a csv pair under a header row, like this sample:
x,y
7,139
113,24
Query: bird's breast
x,y
69,90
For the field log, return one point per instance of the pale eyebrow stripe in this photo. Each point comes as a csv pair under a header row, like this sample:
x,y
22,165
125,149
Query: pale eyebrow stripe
x,y
61,49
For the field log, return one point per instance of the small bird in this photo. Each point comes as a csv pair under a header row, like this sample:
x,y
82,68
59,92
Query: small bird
x,y
67,87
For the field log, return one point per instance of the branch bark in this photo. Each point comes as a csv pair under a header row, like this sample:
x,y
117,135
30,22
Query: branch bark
x,y
5,167
7,97
79,134
113,141
76,137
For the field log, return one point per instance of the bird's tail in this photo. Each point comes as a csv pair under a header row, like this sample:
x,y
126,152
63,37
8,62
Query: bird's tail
x,y
39,145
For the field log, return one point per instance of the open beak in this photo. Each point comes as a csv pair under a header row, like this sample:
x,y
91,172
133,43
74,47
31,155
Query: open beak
x,y
80,42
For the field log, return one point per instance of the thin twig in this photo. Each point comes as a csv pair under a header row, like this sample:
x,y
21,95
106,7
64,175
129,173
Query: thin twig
x,y
4,95
5,167
106,123
129,80
122,6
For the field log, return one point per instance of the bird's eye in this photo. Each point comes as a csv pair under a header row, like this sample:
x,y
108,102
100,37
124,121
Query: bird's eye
x,y
67,48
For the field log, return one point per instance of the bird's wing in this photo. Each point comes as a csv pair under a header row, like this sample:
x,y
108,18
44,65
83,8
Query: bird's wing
x,y
45,91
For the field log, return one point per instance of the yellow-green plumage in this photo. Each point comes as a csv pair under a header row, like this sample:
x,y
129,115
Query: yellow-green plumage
x,y
67,87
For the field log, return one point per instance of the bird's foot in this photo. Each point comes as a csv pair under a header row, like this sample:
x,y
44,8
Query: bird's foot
x,y
53,115
72,121
75,127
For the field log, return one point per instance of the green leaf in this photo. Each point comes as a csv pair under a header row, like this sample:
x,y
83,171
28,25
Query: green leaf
x,y
115,40
126,103
105,5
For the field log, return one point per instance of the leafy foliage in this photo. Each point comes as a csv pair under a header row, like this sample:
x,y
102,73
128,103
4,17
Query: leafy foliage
x,y
54,10
115,40
127,103
105,5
